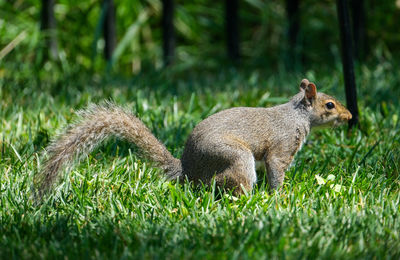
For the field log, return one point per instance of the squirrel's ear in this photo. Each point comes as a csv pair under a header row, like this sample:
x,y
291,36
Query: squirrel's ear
x,y
311,91
303,84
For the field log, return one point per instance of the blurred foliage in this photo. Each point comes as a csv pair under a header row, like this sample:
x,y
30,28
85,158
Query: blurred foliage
x,y
200,35
340,199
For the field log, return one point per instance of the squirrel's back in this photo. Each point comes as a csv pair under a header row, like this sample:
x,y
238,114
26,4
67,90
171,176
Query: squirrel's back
x,y
251,125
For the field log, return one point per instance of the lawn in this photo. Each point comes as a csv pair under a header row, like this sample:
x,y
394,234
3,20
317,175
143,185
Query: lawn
x,y
340,199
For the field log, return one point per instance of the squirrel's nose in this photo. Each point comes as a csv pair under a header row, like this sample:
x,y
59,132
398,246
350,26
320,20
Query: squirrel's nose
x,y
347,116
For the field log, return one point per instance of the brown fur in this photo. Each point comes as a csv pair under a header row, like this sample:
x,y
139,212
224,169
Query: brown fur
x,y
97,123
223,147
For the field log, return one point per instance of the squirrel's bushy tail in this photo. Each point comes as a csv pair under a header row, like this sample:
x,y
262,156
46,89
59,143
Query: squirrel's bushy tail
x,y
97,123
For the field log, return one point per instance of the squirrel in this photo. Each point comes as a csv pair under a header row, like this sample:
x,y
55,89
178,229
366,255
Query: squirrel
x,y
222,147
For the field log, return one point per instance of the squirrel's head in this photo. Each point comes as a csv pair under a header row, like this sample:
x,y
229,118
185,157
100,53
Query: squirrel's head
x,y
325,110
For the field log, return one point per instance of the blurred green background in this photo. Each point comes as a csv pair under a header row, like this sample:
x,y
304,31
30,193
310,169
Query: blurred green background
x,y
200,36
340,199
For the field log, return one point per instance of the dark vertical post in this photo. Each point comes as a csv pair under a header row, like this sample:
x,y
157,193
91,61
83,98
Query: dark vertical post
x,y
292,10
359,28
109,32
232,29
347,60
48,25
168,31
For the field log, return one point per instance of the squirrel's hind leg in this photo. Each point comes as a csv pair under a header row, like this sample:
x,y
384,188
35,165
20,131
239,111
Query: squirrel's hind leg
x,y
240,174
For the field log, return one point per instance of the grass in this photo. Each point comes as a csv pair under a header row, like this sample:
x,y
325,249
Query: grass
x,y
340,198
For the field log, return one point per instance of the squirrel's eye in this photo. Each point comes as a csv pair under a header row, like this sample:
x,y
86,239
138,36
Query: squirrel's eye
x,y
330,105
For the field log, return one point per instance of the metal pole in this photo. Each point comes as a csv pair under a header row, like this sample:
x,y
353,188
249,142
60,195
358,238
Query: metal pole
x,y
168,31
109,31
48,24
347,60
232,29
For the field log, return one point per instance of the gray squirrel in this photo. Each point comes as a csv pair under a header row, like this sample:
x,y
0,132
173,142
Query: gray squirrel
x,y
222,147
